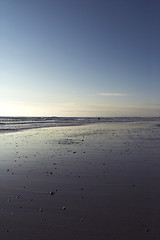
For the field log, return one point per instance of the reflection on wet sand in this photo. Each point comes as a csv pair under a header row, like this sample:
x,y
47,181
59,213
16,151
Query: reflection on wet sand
x,y
99,181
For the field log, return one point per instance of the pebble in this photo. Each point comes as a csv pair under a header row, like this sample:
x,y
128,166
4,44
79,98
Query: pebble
x,y
147,230
51,193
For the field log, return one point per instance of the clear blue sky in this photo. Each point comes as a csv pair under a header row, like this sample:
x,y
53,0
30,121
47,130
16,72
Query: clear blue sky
x,y
80,58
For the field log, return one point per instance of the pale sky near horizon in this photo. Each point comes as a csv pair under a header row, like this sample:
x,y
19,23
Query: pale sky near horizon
x,y
79,58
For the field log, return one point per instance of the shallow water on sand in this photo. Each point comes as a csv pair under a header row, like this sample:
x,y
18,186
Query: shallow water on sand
x,y
99,181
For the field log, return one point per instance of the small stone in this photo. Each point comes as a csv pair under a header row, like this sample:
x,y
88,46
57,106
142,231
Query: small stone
x,y
51,193
147,230
41,210
63,208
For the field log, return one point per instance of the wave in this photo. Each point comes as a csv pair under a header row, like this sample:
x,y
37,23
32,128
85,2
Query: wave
x,y
21,123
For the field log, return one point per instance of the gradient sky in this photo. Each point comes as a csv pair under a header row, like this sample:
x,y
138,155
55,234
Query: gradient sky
x,y
79,58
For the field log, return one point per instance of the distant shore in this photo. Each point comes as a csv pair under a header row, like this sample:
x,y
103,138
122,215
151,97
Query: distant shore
x,y
11,124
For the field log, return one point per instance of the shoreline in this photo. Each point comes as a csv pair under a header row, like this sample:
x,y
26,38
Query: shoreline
x,y
37,125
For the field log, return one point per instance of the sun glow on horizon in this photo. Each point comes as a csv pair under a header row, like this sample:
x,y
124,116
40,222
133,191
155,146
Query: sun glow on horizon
x,y
77,110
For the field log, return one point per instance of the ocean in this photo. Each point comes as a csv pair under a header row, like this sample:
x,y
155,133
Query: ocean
x,y
8,124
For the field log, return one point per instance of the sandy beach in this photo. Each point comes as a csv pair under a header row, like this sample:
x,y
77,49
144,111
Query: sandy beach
x,y
99,181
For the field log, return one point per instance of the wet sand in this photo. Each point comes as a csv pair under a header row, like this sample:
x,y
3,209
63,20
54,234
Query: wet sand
x,y
100,181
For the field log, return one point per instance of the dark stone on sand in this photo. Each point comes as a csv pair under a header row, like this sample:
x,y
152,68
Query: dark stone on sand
x,y
51,193
147,230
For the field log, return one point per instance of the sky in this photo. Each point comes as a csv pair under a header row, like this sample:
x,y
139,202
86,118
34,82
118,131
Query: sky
x,y
88,58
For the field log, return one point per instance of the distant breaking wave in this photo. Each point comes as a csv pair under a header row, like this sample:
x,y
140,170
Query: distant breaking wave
x,y
21,123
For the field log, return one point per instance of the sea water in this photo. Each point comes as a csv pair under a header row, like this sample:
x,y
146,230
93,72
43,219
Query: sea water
x,y
21,123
